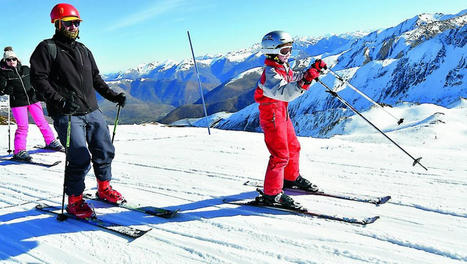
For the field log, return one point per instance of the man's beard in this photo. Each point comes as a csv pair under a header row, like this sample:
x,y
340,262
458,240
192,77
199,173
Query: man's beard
x,y
70,34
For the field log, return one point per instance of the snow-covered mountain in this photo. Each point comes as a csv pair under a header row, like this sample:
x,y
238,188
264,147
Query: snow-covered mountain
x,y
175,84
421,60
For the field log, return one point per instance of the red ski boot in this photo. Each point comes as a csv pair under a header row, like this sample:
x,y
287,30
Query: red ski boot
x,y
105,192
78,207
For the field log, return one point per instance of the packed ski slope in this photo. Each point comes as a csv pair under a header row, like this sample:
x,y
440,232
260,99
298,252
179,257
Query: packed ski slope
x,y
185,168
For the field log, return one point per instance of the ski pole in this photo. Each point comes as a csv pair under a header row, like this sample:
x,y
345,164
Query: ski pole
x,y
62,216
9,129
199,83
415,161
116,122
399,121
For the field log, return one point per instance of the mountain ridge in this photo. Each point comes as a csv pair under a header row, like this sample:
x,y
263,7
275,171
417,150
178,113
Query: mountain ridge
x,y
175,85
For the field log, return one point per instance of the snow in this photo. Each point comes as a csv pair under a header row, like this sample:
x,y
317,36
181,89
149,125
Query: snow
x,y
424,222
332,60
238,56
202,121
241,75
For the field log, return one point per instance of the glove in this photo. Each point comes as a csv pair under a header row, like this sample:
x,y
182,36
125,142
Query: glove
x,y
69,106
313,73
319,65
120,99
310,75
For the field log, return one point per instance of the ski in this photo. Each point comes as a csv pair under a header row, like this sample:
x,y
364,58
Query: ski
x,y
32,162
150,210
292,191
304,212
127,231
45,148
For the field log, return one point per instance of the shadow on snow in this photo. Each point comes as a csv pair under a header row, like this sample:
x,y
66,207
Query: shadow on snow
x,y
17,238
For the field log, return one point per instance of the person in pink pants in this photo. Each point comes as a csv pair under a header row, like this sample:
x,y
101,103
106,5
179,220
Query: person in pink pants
x,y
14,81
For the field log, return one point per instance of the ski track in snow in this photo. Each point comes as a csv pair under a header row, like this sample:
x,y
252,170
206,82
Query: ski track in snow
x,y
427,249
194,173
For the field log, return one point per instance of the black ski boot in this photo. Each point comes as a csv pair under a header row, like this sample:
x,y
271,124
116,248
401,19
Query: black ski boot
x,y
55,145
279,200
301,183
23,155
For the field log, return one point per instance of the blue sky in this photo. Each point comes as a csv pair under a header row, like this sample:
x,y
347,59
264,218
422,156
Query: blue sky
x,y
122,33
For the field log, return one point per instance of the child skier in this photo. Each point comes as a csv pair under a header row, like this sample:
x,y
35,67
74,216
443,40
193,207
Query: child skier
x,y
277,86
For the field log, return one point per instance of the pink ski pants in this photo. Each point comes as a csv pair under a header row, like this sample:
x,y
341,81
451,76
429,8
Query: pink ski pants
x,y
20,114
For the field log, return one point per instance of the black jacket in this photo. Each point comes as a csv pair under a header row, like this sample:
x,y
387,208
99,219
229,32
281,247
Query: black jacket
x,y
73,73
16,83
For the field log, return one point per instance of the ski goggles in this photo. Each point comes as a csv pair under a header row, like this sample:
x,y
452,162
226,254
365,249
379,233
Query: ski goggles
x,y
284,51
11,59
72,22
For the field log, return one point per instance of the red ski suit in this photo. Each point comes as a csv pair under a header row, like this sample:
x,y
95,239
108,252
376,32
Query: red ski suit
x,y
278,86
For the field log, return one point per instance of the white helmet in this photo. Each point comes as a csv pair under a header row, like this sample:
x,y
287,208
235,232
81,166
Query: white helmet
x,y
274,41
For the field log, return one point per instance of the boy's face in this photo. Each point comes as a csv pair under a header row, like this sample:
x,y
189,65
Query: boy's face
x,y
285,52
284,58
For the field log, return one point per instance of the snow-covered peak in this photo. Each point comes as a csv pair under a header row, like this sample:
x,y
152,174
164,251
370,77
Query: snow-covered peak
x,y
325,43
431,26
184,65
145,68
241,75
427,18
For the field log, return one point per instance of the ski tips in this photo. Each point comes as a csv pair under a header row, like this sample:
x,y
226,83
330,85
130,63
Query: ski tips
x,y
383,200
369,220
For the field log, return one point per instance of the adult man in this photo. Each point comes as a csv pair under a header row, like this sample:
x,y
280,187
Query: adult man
x,y
65,73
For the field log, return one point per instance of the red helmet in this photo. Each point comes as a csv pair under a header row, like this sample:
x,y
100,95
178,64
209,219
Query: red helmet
x,y
64,11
